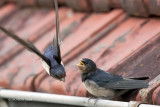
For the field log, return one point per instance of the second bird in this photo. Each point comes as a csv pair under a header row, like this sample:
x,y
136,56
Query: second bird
x,y
105,85
51,59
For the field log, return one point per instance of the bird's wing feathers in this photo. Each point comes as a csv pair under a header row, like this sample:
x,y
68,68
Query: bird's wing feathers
x,y
28,44
139,78
56,41
126,84
110,81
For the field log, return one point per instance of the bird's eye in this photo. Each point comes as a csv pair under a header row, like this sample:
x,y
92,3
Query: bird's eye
x,y
84,62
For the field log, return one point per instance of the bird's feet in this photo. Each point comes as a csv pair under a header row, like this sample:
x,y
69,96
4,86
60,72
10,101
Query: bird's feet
x,y
95,100
90,99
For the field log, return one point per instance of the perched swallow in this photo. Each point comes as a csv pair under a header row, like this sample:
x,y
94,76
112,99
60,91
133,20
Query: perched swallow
x,y
51,59
105,85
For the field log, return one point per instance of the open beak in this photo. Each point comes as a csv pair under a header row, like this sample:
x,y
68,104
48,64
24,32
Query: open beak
x,y
80,63
81,66
63,79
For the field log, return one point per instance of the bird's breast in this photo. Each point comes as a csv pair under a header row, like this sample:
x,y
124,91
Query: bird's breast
x,y
95,90
46,66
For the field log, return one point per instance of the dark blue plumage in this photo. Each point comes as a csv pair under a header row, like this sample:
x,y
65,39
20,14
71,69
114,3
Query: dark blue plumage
x,y
103,84
56,69
53,53
107,80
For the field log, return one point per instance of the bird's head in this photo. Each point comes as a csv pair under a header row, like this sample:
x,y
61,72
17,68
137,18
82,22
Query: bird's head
x,y
86,65
58,72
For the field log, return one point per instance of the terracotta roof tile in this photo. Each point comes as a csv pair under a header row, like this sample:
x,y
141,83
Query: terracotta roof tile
x,y
142,8
7,10
29,33
90,26
123,45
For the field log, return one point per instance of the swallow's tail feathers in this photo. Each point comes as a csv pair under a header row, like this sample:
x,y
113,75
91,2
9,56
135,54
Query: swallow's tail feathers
x,y
57,23
28,44
139,78
56,41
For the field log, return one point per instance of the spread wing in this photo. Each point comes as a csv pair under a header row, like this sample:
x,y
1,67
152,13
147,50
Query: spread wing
x,y
27,44
110,81
56,41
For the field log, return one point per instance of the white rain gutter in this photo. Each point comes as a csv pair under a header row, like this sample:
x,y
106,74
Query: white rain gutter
x,y
63,99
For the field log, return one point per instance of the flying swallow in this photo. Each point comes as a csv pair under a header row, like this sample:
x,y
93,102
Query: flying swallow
x,y
51,59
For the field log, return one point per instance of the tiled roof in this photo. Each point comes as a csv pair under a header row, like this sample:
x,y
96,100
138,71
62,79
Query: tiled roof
x,y
119,44
143,8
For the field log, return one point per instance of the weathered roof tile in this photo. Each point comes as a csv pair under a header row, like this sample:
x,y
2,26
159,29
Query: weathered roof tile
x,y
123,45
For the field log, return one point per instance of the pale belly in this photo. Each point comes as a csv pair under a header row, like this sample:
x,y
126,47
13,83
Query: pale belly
x,y
93,89
46,67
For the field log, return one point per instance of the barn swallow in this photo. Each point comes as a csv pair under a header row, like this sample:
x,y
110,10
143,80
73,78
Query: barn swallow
x,y
105,85
51,59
